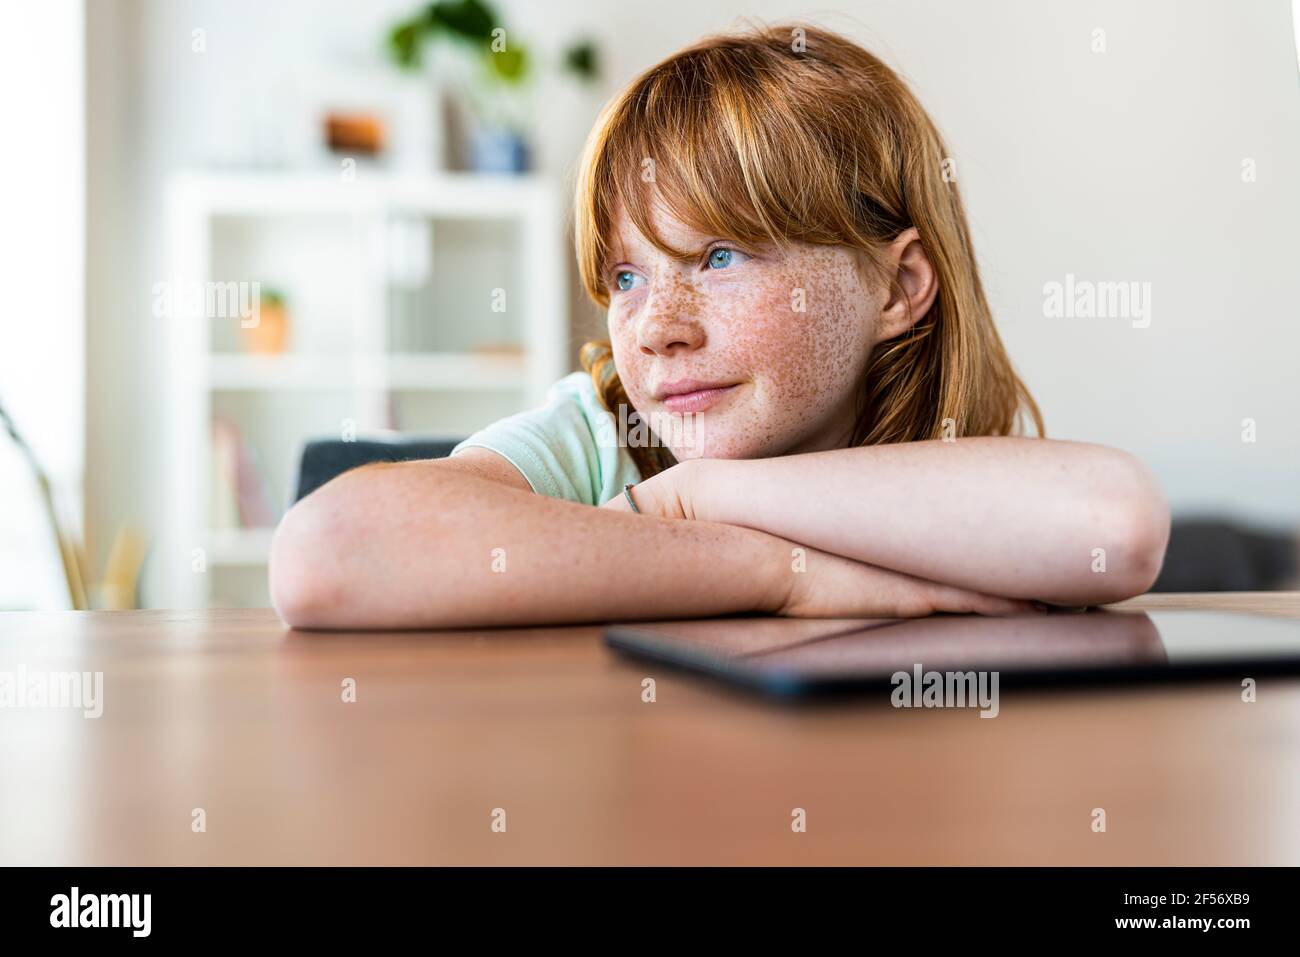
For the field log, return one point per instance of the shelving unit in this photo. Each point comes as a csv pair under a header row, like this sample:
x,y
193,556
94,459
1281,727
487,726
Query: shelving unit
x,y
433,372
431,304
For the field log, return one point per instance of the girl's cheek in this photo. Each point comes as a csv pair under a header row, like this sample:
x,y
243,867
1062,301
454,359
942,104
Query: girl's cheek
x,y
755,321
627,357
826,363
807,330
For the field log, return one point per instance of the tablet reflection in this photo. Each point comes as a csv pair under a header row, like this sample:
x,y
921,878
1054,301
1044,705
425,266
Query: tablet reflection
x,y
854,648
1093,639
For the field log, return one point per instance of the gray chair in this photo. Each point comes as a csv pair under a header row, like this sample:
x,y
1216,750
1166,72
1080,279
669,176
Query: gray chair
x,y
1214,554
323,459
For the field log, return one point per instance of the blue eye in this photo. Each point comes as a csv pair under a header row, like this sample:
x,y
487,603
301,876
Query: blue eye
x,y
722,257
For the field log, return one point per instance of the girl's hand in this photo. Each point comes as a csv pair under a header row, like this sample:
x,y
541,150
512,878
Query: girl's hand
x,y
831,586
670,494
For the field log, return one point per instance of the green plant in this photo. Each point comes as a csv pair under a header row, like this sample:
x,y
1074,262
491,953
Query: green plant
x,y
581,59
469,22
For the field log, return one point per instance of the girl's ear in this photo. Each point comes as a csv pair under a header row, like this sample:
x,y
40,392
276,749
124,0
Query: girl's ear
x,y
917,285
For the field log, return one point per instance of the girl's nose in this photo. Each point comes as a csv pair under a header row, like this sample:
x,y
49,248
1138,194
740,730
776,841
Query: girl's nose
x,y
665,330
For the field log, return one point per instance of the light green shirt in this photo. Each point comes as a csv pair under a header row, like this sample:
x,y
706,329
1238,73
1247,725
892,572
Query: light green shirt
x,y
567,447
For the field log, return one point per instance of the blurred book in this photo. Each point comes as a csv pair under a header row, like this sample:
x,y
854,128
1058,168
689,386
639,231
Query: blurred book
x,y
240,495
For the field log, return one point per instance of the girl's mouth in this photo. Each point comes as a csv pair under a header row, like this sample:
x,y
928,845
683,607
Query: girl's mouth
x,y
699,400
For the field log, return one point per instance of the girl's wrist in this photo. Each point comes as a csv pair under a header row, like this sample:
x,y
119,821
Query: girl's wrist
x,y
713,490
712,487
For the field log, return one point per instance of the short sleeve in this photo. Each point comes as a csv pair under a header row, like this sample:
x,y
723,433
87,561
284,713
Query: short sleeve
x,y
566,448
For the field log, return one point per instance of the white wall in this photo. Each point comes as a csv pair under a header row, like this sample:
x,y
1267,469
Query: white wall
x,y
42,235
1123,165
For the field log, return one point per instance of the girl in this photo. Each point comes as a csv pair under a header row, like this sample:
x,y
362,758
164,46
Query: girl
x,y
803,407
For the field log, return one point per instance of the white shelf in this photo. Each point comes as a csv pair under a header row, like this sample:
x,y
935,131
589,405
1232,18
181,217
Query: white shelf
x,y
409,372
470,196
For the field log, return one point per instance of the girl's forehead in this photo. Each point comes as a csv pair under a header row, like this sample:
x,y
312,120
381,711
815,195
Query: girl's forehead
x,y
626,238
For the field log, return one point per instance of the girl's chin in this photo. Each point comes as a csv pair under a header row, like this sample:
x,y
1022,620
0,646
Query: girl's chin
x,y
714,450
708,435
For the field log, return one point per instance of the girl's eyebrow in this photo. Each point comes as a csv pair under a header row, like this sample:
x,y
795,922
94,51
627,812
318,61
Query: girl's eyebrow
x,y
620,255
693,250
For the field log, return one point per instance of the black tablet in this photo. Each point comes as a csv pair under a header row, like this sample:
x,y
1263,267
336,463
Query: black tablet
x,y
908,656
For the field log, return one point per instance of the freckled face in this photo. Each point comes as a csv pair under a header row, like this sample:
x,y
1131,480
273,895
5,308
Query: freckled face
x,y
792,329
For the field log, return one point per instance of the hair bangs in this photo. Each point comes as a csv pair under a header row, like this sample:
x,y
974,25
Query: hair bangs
x,y
687,148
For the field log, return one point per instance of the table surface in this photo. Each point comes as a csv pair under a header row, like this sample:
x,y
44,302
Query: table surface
x,y
228,712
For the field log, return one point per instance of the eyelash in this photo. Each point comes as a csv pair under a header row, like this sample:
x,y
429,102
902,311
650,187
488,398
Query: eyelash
x,y
612,280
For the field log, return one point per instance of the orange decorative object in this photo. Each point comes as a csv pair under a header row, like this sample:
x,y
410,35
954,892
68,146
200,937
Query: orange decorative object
x,y
354,133
271,334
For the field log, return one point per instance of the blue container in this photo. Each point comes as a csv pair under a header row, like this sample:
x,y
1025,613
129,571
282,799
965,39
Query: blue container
x,y
498,151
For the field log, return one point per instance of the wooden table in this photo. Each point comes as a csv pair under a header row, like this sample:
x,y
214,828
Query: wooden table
x,y
228,712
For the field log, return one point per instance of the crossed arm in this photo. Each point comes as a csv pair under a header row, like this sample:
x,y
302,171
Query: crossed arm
x,y
888,530
1061,522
